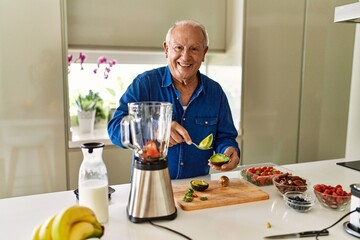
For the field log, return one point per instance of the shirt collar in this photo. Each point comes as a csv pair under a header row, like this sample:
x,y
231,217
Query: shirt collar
x,y
167,80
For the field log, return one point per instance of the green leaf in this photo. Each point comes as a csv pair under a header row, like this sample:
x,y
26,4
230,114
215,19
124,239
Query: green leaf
x,y
111,91
89,101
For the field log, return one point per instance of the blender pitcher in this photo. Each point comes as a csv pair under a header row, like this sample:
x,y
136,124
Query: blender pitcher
x,y
146,131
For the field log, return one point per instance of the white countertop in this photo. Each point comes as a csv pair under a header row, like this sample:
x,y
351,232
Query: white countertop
x,y
20,215
99,135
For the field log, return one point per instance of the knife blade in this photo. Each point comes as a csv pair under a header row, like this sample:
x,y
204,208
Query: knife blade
x,y
298,235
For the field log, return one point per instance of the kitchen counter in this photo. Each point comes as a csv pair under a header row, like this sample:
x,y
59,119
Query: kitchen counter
x,y
98,135
20,215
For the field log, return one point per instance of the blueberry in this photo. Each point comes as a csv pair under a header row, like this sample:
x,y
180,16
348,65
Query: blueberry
x,y
299,203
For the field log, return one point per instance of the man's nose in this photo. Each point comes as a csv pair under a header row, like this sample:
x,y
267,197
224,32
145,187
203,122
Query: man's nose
x,y
186,53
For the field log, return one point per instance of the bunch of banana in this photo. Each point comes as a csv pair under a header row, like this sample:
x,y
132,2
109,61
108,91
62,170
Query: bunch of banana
x,y
73,223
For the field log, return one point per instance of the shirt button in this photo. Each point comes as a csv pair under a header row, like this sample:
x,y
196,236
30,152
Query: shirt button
x,y
206,122
183,119
181,163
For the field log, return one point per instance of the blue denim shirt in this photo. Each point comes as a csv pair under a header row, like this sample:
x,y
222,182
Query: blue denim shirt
x,y
208,112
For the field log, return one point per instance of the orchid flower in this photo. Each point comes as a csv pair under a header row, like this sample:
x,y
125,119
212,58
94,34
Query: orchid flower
x,y
104,60
101,60
82,58
70,57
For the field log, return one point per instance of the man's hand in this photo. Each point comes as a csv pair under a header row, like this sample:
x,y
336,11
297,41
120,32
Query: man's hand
x,y
178,134
234,160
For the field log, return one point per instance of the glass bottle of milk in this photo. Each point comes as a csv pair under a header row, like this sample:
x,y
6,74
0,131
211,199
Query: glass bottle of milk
x,y
93,181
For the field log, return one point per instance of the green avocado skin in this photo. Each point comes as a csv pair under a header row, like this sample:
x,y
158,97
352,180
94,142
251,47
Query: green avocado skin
x,y
199,187
219,159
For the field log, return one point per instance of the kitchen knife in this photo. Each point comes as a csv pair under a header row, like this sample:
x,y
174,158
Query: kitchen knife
x,y
298,235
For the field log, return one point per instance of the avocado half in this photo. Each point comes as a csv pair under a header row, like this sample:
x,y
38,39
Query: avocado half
x,y
199,185
206,142
219,159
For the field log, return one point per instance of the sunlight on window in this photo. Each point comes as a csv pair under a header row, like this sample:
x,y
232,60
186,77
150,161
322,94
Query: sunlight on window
x,y
121,75
110,89
229,78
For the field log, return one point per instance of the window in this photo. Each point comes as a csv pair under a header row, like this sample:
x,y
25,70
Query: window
x,y
81,79
110,89
229,78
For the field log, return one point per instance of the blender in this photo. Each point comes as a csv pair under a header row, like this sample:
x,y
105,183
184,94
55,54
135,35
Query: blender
x,y
146,131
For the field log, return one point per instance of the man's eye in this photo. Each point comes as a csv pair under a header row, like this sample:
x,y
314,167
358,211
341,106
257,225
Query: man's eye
x,y
178,48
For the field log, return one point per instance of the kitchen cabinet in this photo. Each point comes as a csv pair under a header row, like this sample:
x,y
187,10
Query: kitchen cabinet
x,y
32,123
353,133
296,81
139,24
326,82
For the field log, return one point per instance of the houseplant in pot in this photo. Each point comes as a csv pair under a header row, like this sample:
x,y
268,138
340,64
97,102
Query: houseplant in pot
x,y
82,100
89,109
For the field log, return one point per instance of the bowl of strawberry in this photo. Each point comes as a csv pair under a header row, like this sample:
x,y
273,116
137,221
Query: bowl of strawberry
x,y
261,175
334,197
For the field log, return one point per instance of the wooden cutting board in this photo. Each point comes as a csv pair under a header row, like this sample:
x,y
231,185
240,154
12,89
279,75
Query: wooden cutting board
x,y
238,191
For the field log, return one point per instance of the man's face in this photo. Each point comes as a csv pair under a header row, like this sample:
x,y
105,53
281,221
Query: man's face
x,y
185,52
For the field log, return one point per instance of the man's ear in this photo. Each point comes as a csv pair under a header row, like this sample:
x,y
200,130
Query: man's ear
x,y
205,51
166,49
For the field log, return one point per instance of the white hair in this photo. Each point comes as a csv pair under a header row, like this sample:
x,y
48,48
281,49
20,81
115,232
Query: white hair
x,y
191,23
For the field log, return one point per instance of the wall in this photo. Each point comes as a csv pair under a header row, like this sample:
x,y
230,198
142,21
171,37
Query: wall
x,y
32,136
296,81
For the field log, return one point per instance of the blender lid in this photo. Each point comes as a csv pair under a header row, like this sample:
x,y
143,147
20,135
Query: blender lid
x,y
92,145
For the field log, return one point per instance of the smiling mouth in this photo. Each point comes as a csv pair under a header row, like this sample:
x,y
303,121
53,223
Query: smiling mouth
x,y
184,65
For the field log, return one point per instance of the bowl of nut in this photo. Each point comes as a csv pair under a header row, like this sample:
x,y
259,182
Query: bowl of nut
x,y
288,183
299,201
333,197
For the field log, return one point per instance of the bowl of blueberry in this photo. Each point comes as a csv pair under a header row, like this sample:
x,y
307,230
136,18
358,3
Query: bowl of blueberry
x,y
299,201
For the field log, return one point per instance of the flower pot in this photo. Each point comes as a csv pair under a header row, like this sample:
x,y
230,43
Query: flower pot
x,y
86,121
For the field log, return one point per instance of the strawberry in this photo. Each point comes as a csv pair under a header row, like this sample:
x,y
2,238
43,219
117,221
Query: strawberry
x,y
151,150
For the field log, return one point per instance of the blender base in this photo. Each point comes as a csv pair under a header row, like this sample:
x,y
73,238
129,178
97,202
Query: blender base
x,y
151,196
141,220
349,230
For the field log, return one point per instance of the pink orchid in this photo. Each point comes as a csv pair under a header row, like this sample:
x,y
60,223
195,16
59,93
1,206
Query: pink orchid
x,y
112,62
70,57
82,58
101,60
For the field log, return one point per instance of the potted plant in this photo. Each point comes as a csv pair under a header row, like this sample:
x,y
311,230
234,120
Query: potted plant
x,y
90,109
82,106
